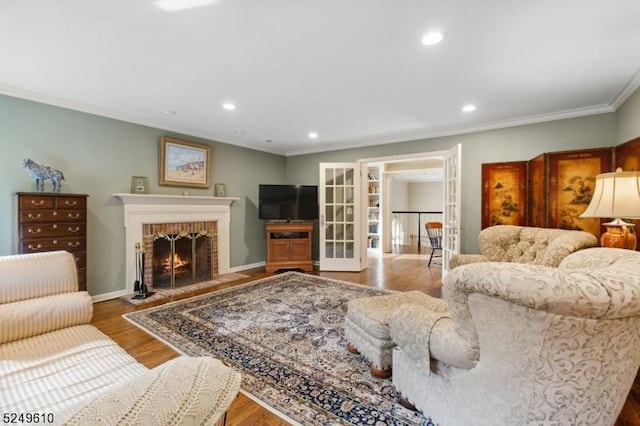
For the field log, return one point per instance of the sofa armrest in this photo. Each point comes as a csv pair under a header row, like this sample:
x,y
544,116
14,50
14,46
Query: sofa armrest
x,y
185,390
465,259
27,318
573,293
33,275
564,245
422,334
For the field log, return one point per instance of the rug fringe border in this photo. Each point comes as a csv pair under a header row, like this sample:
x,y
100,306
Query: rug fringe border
x,y
269,408
155,336
253,282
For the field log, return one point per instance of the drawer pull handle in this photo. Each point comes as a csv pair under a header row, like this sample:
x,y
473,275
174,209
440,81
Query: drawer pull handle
x,y
37,203
37,247
73,215
70,203
76,244
76,229
55,241
34,216
34,231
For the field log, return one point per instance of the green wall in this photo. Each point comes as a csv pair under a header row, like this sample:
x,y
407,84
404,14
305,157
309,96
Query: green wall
x,y
98,156
510,144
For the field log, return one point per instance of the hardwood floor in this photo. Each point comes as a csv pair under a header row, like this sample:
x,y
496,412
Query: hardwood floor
x,y
404,270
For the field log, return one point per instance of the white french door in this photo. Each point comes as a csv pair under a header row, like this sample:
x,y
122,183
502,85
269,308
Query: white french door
x,y
451,205
340,199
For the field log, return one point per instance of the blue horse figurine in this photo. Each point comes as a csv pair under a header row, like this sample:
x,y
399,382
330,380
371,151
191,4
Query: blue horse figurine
x,y
40,173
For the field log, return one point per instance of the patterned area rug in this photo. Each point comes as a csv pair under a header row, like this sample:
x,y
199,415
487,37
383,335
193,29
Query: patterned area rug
x,y
285,334
161,293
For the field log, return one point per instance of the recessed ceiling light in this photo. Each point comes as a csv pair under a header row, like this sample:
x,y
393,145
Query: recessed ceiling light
x,y
176,5
433,37
313,135
469,108
168,112
229,106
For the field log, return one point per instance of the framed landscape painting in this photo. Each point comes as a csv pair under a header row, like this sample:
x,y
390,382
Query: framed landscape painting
x,y
572,177
184,163
504,194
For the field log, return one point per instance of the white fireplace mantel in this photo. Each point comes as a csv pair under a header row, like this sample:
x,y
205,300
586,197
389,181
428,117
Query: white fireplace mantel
x,y
142,209
147,199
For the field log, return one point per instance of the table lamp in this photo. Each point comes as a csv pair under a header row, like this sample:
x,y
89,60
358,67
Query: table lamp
x,y
617,196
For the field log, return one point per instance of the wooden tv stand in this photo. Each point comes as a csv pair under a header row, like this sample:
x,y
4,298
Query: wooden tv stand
x,y
289,246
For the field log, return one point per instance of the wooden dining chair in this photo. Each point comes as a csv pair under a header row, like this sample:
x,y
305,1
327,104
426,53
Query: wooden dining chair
x,y
434,231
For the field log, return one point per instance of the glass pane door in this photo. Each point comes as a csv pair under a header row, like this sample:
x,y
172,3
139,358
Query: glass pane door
x,y
339,217
451,206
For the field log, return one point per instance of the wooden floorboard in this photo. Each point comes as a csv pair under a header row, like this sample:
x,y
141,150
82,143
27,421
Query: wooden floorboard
x,y
404,270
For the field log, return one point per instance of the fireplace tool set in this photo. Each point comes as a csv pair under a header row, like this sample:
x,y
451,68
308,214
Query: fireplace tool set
x,y
139,287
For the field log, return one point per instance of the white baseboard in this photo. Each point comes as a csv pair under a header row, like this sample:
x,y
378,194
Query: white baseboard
x,y
245,267
109,296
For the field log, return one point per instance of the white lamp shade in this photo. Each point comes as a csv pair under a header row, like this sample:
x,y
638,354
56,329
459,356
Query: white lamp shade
x,y
616,195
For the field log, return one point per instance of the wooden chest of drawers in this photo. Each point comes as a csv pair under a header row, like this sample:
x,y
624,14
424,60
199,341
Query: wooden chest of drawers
x,y
54,221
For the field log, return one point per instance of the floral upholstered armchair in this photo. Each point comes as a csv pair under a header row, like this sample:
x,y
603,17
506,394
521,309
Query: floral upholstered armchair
x,y
524,244
524,344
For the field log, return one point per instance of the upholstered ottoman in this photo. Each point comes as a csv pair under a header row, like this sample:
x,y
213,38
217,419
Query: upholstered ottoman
x,y
367,327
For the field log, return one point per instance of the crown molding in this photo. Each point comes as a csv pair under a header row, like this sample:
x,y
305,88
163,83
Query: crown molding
x,y
626,91
452,131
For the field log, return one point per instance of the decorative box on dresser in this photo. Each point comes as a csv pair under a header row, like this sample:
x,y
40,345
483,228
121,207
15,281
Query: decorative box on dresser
x,y
53,221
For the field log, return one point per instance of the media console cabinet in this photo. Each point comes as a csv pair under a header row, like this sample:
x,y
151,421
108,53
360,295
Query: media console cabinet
x,y
289,246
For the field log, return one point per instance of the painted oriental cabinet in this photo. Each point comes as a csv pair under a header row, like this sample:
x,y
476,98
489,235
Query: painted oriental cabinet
x,y
551,190
504,194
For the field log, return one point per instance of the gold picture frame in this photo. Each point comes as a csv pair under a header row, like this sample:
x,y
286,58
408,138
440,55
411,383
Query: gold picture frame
x,y
183,163
139,185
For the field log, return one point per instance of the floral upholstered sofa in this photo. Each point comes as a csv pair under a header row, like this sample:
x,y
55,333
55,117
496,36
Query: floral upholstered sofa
x,y
524,244
56,366
523,344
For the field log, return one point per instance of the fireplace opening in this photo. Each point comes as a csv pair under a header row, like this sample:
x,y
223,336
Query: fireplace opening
x,y
181,259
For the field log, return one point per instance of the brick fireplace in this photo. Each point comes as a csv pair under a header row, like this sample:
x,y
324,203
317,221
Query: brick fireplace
x,y
146,217
179,254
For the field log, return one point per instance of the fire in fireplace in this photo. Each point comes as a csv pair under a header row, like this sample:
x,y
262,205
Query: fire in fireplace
x,y
181,259
180,253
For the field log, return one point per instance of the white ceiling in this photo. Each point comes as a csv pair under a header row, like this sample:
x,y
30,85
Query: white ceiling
x,y
354,71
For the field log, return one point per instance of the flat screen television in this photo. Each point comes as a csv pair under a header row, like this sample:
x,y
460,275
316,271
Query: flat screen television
x,y
288,202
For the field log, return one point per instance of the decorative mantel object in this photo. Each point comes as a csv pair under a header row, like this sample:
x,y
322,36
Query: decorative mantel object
x,y
221,190
184,163
617,196
139,185
41,173
140,209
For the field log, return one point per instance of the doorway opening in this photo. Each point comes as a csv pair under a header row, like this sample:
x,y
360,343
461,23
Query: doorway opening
x,y
403,194
345,186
